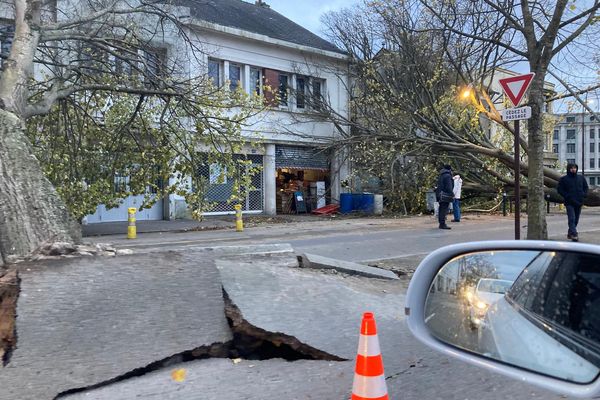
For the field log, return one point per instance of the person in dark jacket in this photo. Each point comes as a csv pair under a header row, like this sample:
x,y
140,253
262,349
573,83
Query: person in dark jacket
x,y
573,188
445,194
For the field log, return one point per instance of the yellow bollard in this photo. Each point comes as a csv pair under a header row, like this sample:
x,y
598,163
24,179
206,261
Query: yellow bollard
x,y
239,224
131,230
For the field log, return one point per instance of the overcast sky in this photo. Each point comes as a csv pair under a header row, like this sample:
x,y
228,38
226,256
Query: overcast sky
x,y
307,12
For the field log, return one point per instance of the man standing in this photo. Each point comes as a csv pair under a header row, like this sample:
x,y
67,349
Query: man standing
x,y
456,202
573,188
445,194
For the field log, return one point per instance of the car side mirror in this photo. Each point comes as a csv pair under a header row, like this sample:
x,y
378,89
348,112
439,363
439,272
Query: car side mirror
x,y
527,309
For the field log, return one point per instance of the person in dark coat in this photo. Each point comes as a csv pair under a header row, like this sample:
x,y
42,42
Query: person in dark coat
x,y
445,194
573,188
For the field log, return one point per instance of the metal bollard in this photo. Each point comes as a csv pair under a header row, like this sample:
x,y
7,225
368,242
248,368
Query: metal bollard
x,y
131,229
239,224
504,204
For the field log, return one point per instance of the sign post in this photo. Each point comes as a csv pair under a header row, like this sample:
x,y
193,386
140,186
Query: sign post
x,y
514,88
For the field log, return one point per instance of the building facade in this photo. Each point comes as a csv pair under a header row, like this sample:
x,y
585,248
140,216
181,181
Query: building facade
x,y
576,139
250,46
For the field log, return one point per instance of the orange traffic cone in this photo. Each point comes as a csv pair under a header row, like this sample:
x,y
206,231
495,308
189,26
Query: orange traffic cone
x,y
369,379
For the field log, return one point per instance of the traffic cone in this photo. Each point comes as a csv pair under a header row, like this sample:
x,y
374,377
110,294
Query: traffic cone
x,y
369,379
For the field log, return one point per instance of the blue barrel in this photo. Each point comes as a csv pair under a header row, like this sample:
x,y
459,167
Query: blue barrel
x,y
346,203
368,203
357,201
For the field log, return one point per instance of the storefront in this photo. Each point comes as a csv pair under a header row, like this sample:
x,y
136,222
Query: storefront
x,y
304,170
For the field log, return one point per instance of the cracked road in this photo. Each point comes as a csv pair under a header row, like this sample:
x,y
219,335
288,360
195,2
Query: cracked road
x,y
88,324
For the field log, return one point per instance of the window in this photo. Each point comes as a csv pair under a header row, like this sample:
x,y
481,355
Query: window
x,y
556,137
235,76
592,163
592,133
570,161
570,119
592,147
570,134
555,148
317,93
255,81
592,180
154,65
283,90
300,92
7,33
217,174
570,147
214,69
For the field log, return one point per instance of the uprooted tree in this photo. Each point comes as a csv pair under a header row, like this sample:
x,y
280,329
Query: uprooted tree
x,y
93,86
411,57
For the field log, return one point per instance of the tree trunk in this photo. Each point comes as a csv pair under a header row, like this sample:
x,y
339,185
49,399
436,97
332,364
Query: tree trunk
x,y
31,211
536,208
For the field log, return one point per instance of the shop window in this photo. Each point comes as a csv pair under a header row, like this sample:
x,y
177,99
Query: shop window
x,y
217,174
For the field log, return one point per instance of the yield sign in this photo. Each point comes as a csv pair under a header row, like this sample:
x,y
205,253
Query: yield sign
x,y
516,86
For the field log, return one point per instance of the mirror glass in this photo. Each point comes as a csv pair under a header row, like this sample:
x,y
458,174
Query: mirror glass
x,y
537,310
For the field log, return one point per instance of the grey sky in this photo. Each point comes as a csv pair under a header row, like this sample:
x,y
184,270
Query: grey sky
x,y
307,12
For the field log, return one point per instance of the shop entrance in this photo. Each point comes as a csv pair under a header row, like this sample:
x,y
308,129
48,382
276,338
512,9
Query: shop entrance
x,y
312,183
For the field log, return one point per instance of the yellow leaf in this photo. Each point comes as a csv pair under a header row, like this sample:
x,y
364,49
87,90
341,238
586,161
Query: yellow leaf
x,y
573,7
178,375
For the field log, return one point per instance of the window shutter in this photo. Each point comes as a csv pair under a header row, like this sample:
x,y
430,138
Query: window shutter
x,y
271,82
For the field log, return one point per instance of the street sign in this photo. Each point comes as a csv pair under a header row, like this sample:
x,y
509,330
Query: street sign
x,y
515,114
516,86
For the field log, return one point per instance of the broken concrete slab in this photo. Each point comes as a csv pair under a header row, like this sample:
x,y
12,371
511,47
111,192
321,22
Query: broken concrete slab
x,y
320,262
222,379
320,310
88,320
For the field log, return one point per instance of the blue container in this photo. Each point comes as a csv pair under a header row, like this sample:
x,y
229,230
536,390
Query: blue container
x,y
357,201
346,203
368,203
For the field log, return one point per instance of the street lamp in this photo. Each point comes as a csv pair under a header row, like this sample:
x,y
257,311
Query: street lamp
x,y
583,133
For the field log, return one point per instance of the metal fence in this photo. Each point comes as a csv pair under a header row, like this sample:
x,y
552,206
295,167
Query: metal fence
x,y
219,194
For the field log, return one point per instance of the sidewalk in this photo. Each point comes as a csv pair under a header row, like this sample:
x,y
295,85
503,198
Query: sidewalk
x,y
221,222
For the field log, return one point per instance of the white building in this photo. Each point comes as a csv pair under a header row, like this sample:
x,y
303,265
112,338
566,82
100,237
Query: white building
x,y
250,45
573,147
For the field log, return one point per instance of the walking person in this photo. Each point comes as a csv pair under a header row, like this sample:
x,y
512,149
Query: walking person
x,y
445,194
573,188
456,202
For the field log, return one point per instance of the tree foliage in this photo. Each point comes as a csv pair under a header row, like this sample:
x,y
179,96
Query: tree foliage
x,y
411,59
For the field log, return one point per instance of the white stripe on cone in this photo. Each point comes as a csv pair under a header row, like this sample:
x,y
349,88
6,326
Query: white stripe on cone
x,y
370,387
368,346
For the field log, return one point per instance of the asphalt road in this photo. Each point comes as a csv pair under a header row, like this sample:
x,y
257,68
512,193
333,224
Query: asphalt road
x,y
364,239
371,239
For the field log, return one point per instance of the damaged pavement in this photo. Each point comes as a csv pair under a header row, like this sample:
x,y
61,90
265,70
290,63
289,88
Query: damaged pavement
x,y
249,322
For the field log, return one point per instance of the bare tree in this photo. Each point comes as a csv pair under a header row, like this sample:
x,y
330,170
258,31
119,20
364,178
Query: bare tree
x,y
424,52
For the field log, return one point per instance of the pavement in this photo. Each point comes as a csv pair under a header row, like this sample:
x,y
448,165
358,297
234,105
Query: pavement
x,y
187,225
187,319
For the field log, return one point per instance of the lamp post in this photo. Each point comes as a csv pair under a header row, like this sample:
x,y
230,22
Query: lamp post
x,y
583,137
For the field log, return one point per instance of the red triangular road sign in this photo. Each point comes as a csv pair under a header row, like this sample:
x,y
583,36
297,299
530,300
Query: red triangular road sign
x,y
516,86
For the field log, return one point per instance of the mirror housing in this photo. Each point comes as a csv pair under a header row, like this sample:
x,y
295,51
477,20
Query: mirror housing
x,y
419,290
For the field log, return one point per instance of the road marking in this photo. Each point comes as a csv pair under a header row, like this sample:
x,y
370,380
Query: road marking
x,y
428,318
394,257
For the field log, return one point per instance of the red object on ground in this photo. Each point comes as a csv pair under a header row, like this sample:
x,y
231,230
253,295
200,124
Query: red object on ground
x,y
330,209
